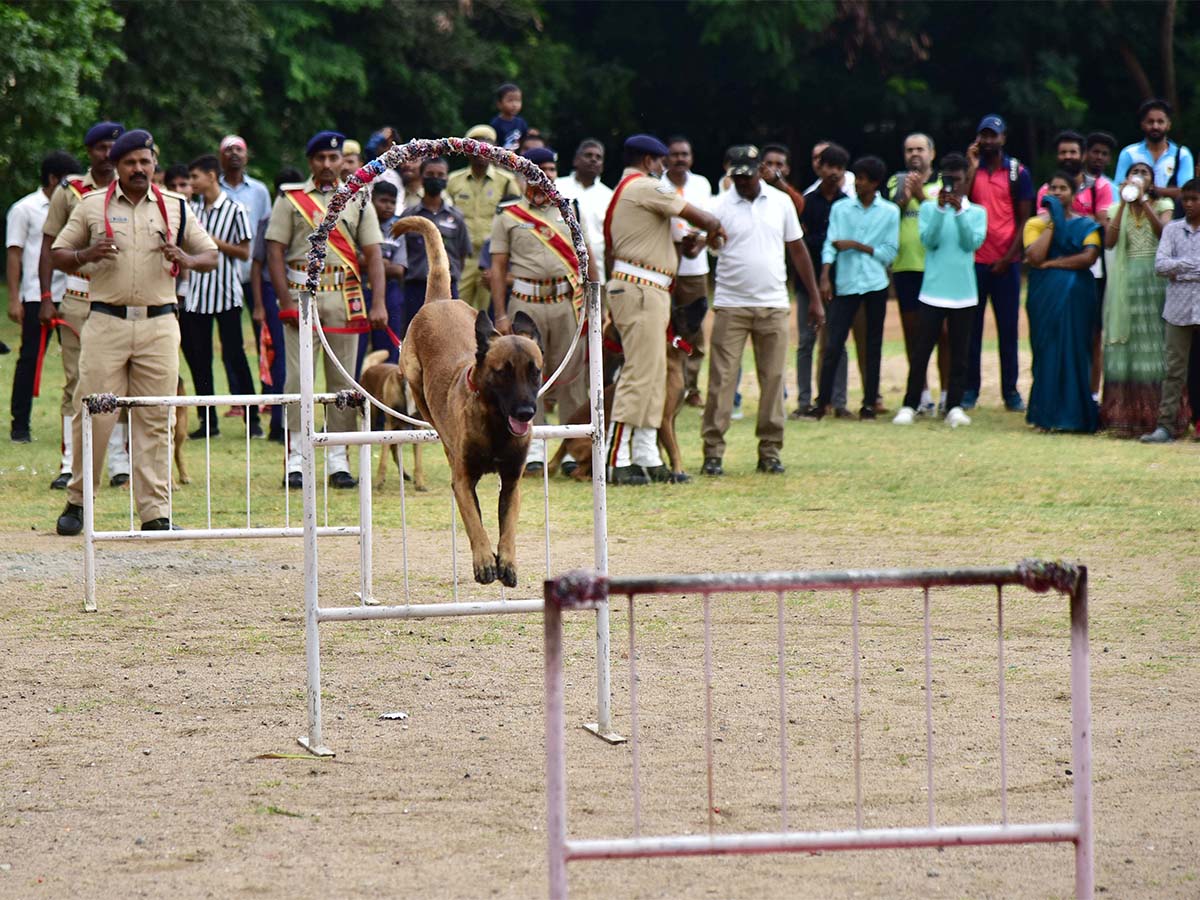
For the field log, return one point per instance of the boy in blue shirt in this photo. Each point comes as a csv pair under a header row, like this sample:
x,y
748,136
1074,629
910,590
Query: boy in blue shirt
x,y
952,228
509,125
863,238
395,260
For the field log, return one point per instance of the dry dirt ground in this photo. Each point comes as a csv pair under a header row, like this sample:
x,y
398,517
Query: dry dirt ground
x,y
132,738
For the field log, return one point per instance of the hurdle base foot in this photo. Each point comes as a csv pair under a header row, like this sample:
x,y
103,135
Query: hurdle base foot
x,y
370,601
89,607
609,737
319,750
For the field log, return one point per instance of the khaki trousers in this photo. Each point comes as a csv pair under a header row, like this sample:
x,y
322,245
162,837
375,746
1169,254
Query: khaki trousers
x,y
641,314
473,288
768,333
332,309
74,312
132,358
557,324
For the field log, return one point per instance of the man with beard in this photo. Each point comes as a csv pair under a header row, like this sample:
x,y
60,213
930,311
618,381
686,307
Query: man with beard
x,y
1173,164
1002,186
530,239
339,296
73,308
134,237
1093,197
452,226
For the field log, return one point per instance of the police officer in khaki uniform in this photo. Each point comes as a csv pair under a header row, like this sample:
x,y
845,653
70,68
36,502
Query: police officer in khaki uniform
x,y
130,236
74,306
476,192
531,240
298,209
642,259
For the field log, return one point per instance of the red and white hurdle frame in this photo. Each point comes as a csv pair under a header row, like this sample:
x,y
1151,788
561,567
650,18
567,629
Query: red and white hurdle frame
x,y
585,591
108,403
310,439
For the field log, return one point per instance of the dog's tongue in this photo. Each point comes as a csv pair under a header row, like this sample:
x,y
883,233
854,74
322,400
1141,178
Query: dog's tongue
x,y
517,427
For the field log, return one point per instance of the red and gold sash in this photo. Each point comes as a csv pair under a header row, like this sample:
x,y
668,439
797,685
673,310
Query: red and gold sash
x,y
78,188
612,205
557,244
339,241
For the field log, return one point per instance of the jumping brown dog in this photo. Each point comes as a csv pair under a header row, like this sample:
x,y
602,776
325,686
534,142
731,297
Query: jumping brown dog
x,y
385,382
478,389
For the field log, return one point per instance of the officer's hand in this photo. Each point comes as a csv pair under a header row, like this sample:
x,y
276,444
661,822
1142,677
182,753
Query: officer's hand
x,y
378,316
503,325
47,312
174,254
717,238
288,305
105,248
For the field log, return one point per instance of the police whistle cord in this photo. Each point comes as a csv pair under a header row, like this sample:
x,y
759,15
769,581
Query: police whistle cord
x,y
44,342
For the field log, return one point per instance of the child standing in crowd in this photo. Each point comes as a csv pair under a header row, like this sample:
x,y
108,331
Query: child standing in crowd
x,y
395,260
509,125
1178,260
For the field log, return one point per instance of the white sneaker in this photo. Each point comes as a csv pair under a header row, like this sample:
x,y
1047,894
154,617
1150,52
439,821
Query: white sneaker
x,y
957,417
905,417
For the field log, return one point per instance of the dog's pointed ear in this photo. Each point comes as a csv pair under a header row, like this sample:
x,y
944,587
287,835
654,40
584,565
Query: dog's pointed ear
x,y
524,325
484,332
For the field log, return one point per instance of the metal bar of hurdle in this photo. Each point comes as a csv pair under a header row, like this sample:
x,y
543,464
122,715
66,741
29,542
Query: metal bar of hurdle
x,y
314,614
94,405
582,591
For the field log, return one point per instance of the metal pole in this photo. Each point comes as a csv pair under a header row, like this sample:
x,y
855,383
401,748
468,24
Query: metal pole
x,y
312,639
366,589
556,763
89,521
1081,738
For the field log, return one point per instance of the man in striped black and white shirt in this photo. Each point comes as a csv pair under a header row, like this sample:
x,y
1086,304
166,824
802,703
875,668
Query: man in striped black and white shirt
x,y
217,295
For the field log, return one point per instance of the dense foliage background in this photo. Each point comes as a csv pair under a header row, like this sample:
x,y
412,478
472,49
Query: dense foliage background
x,y
722,71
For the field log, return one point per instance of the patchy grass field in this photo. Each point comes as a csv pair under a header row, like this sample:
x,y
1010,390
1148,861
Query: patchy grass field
x,y
131,749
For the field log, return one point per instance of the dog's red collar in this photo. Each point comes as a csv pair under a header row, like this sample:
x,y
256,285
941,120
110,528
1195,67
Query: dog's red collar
x,y
471,385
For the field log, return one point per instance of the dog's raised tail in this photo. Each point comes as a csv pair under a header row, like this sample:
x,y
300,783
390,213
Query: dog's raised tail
x,y
437,285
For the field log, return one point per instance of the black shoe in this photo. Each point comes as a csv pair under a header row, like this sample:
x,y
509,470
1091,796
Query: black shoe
x,y
866,414
842,413
199,434
659,474
256,429
813,413
568,467
70,523
712,466
60,483
21,436
770,466
632,475
160,524
294,480
680,478
275,435
341,480
534,469
119,480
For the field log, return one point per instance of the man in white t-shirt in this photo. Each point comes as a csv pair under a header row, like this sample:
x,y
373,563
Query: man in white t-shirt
x,y
751,300
24,230
583,185
689,299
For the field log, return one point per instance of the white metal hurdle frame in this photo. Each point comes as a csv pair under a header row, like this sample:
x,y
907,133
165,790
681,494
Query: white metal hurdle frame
x,y
97,404
309,322
583,590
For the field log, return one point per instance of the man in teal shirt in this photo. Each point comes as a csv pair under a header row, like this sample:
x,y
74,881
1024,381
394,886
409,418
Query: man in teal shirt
x,y
951,230
863,238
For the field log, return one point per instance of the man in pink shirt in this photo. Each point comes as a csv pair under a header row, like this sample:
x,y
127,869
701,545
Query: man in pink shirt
x,y
1002,186
1095,193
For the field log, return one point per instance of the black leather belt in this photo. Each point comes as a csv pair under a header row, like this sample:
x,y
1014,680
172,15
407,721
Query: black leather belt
x,y
122,312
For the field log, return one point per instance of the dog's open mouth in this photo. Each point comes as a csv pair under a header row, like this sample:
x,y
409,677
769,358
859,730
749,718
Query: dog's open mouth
x,y
517,427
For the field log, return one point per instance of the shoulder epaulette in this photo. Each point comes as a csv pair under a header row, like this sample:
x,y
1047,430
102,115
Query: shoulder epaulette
x,y
503,204
297,186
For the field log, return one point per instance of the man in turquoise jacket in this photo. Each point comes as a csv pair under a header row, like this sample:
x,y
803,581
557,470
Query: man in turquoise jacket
x,y
952,228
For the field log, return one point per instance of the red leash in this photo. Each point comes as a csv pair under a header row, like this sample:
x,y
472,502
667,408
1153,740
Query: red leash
x,y
44,342
362,328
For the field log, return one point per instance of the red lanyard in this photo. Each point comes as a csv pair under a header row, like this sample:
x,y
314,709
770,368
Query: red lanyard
x,y
162,211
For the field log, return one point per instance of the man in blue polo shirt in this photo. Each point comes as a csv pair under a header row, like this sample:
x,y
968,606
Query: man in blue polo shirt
x,y
1173,164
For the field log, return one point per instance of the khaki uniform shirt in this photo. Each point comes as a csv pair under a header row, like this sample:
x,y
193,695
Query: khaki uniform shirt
x,y
477,199
139,275
641,223
62,203
528,256
286,226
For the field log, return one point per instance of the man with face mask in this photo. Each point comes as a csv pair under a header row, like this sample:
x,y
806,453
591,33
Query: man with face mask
x,y
643,261
340,300
1002,186
530,239
452,226
134,237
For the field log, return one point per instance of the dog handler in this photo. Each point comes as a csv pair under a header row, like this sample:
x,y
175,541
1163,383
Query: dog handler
x,y
74,306
642,257
530,239
297,212
133,236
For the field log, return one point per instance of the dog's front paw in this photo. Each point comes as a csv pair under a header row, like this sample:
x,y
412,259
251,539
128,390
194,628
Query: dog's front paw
x,y
506,571
485,569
